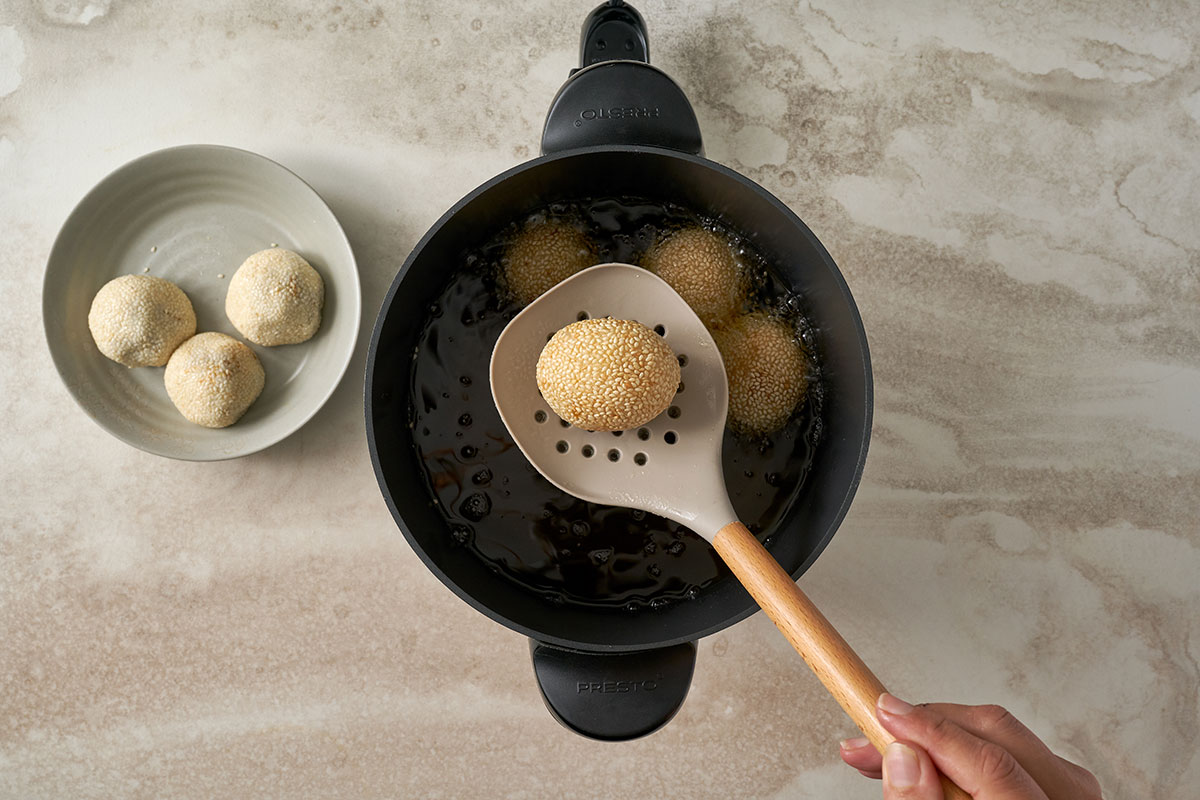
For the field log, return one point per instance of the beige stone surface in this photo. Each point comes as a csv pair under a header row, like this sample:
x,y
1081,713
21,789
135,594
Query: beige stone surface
x,y
1011,190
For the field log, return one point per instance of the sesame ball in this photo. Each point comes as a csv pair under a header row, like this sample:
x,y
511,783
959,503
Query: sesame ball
x,y
767,371
542,255
607,374
275,297
213,378
699,265
139,320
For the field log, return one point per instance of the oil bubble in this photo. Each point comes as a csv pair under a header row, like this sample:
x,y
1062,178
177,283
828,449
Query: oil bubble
x,y
476,506
601,556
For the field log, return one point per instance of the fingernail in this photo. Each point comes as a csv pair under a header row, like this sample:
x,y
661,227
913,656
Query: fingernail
x,y
901,769
855,743
893,705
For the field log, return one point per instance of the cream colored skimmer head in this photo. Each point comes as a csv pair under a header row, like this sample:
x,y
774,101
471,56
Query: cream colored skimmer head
x,y
671,466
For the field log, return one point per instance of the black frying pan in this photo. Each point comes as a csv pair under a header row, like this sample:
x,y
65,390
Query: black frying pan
x,y
619,128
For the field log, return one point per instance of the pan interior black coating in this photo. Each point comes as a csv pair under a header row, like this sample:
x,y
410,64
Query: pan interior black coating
x,y
689,181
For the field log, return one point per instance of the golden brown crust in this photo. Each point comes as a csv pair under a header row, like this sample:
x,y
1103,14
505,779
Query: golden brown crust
x,y
767,371
607,374
544,254
699,265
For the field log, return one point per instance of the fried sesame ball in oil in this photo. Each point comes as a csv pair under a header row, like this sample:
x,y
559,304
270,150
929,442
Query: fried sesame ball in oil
x,y
543,254
607,374
699,265
767,371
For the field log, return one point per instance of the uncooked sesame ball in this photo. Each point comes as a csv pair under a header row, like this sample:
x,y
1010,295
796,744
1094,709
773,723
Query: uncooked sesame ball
x,y
607,374
767,371
544,254
213,378
139,320
275,297
699,265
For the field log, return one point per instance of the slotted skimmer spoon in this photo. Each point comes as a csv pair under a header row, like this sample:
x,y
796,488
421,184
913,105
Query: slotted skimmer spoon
x,y
672,465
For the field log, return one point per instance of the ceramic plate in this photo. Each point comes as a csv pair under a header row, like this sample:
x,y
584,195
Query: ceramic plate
x,y
192,215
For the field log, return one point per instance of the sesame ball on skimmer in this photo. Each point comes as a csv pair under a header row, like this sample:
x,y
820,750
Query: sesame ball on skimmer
x,y
607,374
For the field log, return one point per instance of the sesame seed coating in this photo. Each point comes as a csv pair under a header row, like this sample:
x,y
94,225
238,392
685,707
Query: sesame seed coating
x,y
139,320
699,265
213,378
607,374
275,297
767,371
545,254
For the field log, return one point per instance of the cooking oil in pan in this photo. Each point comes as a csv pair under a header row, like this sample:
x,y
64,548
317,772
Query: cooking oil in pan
x,y
499,506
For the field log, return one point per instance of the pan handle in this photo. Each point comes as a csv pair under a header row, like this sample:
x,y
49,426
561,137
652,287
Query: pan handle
x,y
615,97
614,31
613,696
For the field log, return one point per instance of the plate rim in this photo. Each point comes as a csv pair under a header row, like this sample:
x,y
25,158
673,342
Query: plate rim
x,y
148,447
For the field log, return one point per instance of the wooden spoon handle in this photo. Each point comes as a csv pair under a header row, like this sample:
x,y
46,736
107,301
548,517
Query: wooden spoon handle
x,y
844,674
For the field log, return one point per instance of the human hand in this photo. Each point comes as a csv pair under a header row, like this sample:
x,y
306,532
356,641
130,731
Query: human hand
x,y
983,749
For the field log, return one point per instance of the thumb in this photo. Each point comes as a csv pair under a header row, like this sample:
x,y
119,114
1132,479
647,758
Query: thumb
x,y
908,774
985,770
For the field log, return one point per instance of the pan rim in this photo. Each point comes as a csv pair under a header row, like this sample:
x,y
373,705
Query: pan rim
x,y
748,607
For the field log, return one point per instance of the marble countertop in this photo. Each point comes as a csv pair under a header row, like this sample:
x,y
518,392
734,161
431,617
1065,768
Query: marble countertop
x,y
1011,190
